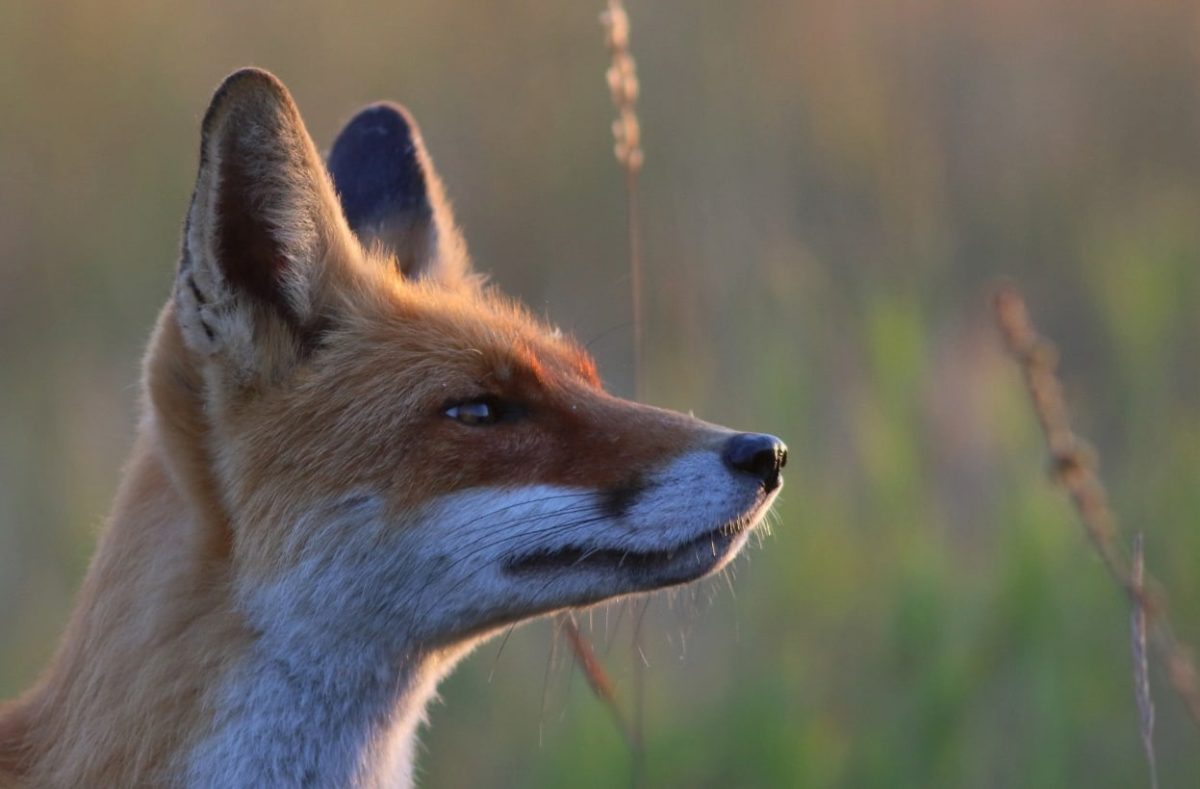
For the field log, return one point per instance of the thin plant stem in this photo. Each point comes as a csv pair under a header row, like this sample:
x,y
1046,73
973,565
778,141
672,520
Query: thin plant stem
x,y
635,280
623,86
1141,662
1073,465
593,670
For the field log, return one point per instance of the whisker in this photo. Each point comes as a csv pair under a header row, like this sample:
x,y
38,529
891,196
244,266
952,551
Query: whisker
x,y
546,682
500,651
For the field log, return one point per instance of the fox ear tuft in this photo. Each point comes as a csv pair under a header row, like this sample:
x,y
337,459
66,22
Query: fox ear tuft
x,y
261,226
391,195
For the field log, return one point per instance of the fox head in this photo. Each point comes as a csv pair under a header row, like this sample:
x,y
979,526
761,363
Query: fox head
x,y
384,448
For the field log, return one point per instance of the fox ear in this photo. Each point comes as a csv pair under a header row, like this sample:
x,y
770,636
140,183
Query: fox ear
x,y
392,197
262,226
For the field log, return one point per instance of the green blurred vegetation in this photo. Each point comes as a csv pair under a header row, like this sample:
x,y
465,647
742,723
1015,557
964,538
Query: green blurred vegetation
x,y
829,188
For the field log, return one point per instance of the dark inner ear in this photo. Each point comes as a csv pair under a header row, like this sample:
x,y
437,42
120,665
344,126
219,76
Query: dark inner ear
x,y
248,251
379,170
375,167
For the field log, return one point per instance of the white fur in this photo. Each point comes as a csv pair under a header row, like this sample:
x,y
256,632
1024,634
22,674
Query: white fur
x,y
355,637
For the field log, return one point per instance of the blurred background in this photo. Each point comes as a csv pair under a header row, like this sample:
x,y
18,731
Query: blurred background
x,y
829,189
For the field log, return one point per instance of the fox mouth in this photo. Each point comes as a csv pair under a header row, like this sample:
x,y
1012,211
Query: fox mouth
x,y
679,563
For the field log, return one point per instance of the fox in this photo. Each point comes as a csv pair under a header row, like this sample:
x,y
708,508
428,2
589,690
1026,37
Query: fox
x,y
355,461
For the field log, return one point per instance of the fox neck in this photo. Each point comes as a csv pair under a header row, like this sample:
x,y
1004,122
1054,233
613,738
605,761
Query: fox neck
x,y
323,716
174,672
335,684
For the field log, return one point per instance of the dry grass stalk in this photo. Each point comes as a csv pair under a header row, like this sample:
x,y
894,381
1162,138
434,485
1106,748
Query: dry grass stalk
x,y
1141,662
623,86
597,677
1074,467
627,146
593,670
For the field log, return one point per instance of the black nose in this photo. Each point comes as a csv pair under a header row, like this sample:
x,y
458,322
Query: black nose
x,y
758,454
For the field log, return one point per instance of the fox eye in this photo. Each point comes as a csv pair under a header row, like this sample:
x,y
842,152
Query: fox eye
x,y
484,411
